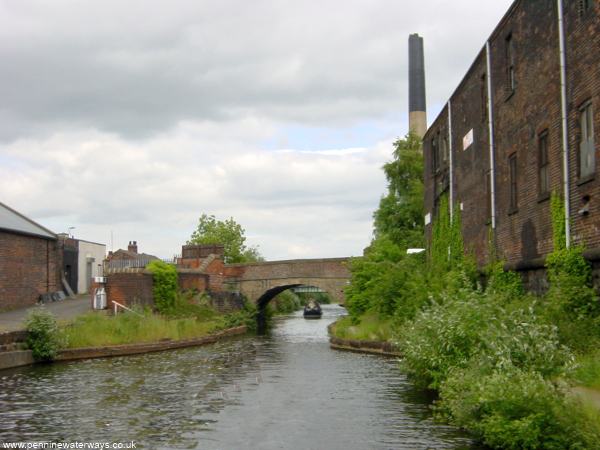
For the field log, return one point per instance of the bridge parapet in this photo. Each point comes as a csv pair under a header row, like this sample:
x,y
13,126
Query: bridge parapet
x,y
262,281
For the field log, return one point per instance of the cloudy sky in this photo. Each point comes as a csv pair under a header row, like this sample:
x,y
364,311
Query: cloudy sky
x,y
133,118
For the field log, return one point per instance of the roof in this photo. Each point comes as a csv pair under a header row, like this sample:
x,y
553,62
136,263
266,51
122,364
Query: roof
x,y
11,220
125,254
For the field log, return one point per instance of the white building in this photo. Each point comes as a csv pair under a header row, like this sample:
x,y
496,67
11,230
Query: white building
x,y
90,258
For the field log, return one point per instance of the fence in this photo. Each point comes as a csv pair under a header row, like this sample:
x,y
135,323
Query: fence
x,y
118,264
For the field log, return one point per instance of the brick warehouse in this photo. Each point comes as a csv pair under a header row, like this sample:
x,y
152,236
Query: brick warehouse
x,y
29,260
499,146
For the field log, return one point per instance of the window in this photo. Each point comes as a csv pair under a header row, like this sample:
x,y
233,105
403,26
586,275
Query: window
x,y
584,7
488,197
484,101
510,64
587,157
543,165
512,168
434,155
444,148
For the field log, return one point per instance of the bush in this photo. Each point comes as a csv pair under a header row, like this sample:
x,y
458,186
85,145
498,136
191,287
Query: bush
x,y
516,409
444,335
246,316
165,285
286,302
507,284
470,325
43,338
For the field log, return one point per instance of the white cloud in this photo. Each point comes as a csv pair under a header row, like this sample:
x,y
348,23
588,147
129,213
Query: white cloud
x,y
278,113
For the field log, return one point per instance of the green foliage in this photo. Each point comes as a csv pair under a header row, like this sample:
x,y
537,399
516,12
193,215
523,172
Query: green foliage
x,y
400,213
322,298
516,409
386,280
286,302
246,316
369,327
587,371
165,285
559,231
569,274
43,336
446,250
502,283
95,330
472,326
495,355
230,234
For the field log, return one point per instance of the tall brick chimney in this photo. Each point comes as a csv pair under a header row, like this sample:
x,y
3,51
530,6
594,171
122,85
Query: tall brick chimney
x,y
132,247
416,86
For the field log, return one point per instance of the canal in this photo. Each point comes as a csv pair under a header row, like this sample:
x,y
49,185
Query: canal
x,y
286,390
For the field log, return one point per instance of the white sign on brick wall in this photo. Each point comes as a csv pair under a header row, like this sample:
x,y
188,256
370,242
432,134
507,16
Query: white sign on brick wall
x,y
427,218
468,139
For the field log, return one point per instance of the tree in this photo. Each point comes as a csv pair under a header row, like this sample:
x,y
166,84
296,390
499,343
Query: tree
x,y
230,234
400,213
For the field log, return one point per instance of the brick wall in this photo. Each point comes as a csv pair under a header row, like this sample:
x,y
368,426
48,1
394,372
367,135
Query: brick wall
x,y
29,266
521,116
133,287
192,280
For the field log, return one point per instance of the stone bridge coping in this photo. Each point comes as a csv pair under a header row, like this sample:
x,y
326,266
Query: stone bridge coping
x,y
290,261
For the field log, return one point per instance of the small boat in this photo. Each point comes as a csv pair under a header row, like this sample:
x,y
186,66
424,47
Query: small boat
x,y
312,310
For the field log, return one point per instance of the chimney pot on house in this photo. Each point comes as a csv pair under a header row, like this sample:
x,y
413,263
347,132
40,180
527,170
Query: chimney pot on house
x,y
132,247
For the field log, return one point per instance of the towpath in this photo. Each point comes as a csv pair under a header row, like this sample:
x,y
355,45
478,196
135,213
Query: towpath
x,y
63,310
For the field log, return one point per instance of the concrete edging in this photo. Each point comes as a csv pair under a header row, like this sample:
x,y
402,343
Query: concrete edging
x,y
372,347
9,360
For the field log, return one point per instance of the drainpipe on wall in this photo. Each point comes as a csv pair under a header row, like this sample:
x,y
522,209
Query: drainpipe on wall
x,y
565,129
488,58
450,162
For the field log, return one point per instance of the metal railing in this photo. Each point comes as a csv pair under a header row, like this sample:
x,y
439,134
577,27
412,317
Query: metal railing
x,y
117,305
138,263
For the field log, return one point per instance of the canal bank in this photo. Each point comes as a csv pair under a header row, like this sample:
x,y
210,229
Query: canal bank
x,y
18,358
285,390
359,346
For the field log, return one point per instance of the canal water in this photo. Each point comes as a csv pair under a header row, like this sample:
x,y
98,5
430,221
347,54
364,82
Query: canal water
x,y
287,390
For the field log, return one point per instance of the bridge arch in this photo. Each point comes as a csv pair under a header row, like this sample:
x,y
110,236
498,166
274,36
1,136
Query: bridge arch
x,y
260,282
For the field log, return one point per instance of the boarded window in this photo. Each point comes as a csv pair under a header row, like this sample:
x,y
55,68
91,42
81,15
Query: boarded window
x,y
444,148
434,155
510,64
488,197
543,165
512,174
484,96
587,158
584,7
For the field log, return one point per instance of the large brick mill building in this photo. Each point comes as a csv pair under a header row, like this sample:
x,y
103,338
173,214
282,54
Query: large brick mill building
x,y
30,260
523,122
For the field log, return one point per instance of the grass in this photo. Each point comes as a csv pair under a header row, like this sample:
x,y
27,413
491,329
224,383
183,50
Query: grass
x,y
94,330
370,327
587,372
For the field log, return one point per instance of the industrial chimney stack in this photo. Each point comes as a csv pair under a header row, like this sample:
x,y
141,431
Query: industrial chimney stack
x,y
417,115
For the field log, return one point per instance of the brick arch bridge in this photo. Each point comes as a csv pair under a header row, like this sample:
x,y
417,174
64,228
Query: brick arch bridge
x,y
261,282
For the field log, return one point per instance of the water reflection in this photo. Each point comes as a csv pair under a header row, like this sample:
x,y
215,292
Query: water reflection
x,y
285,390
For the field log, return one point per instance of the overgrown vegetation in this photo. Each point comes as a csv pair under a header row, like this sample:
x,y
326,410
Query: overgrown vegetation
x,y
500,358
190,316
43,338
368,327
164,285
